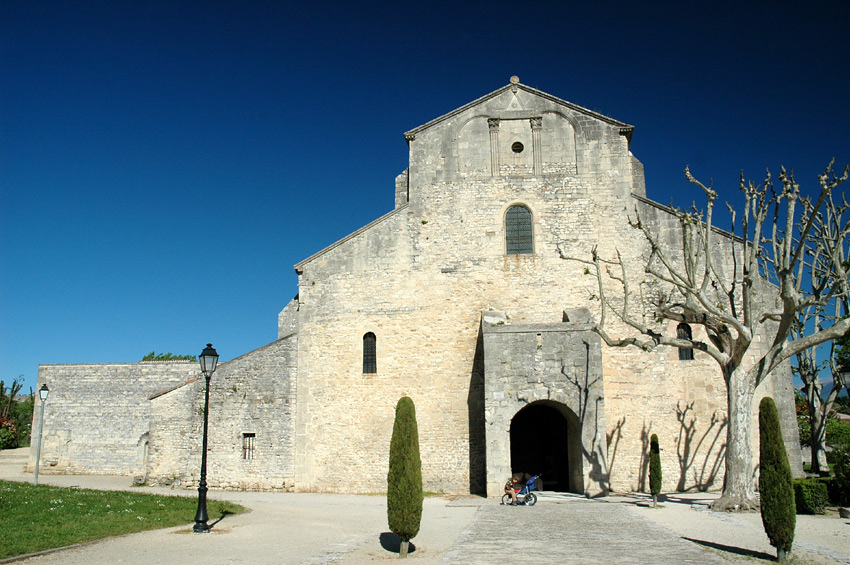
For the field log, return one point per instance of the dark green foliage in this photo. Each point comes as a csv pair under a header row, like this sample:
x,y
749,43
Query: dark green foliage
x,y
7,400
16,415
840,491
154,356
778,512
804,424
810,496
8,434
404,479
22,416
842,352
654,466
837,432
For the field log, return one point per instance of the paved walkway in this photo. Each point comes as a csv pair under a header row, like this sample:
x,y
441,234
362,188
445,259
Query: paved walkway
x,y
561,528
571,530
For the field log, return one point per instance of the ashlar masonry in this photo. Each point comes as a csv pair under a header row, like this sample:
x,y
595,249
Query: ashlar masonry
x,y
459,299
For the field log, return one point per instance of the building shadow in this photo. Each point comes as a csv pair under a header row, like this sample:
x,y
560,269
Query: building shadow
x,y
477,432
733,549
392,543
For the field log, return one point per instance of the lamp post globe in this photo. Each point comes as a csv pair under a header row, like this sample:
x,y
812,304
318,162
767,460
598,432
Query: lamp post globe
x,y
42,395
208,360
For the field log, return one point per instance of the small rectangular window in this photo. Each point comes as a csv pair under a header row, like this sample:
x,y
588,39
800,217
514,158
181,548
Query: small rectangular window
x,y
248,446
683,331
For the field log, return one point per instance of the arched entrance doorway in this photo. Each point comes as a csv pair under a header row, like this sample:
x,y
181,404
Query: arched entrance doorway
x,y
545,440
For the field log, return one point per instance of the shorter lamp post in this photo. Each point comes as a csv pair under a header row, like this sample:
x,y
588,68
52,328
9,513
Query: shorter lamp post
x,y
209,359
845,377
42,395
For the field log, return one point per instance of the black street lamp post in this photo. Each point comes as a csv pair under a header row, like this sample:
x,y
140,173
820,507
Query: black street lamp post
x,y
42,395
209,359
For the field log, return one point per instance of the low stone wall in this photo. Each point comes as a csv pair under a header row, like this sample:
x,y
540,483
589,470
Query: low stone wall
x,y
96,416
251,443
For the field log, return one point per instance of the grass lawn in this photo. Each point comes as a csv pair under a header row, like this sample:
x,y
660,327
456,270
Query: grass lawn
x,y
35,518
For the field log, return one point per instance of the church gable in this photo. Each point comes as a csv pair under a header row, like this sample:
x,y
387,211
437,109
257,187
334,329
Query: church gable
x,y
516,131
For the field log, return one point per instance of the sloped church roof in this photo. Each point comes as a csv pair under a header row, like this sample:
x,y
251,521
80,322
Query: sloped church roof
x,y
625,129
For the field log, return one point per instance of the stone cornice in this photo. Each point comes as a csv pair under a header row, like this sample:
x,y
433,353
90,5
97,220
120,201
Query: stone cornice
x,y
299,267
624,127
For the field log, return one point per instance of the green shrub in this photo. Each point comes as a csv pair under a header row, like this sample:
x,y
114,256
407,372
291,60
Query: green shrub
x,y
8,434
654,468
840,484
837,432
404,479
810,496
778,512
833,493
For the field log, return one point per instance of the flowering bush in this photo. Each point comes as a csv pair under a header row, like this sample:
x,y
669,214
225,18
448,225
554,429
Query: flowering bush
x,y
8,434
7,439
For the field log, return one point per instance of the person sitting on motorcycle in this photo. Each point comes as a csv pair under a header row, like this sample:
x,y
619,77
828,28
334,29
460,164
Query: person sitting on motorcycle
x,y
513,485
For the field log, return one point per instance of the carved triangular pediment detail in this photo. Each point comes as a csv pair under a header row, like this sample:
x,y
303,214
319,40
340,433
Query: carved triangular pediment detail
x,y
514,103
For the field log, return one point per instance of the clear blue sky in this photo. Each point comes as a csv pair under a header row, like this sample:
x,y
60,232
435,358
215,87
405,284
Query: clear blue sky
x,y
163,165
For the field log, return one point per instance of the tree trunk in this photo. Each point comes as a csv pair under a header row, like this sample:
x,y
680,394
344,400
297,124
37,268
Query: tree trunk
x,y
817,422
817,418
738,488
402,550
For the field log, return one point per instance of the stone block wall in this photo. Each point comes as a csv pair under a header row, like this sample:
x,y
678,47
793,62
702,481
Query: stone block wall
x,y
419,278
252,394
559,365
96,416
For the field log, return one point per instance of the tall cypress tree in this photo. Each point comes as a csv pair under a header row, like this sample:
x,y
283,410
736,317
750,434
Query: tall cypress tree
x,y
778,510
404,479
654,469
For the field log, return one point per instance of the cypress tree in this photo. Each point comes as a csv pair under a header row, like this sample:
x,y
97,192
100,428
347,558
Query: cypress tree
x,y
778,511
654,469
404,479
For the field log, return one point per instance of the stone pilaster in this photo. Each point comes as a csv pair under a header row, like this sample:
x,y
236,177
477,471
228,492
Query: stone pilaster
x,y
493,124
536,126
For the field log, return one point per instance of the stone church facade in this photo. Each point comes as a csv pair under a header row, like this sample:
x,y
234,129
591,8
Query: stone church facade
x,y
459,299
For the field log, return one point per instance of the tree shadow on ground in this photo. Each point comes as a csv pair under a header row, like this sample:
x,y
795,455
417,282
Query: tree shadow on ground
x,y
732,549
392,543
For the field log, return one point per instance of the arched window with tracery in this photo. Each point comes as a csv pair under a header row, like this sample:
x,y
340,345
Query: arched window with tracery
x,y
683,331
519,231
370,359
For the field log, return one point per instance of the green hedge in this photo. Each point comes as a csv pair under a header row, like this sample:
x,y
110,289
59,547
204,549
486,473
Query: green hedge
x,y
839,492
810,496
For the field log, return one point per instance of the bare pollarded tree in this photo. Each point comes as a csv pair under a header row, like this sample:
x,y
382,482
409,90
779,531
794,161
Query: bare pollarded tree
x,y
823,268
690,283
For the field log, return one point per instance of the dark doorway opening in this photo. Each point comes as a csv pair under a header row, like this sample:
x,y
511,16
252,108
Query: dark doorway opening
x,y
540,445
